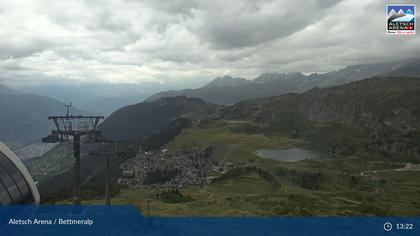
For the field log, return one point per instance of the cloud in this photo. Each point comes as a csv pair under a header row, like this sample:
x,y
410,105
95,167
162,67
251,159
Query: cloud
x,y
175,7
22,47
227,24
137,41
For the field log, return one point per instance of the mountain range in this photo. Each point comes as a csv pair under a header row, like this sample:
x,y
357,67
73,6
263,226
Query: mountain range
x,y
6,90
101,97
139,120
379,116
228,90
24,117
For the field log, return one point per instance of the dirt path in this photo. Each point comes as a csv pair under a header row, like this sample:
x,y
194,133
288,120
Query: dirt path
x,y
407,167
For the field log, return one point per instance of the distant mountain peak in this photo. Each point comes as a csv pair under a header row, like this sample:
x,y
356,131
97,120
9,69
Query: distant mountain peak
x,y
227,81
270,77
179,100
7,90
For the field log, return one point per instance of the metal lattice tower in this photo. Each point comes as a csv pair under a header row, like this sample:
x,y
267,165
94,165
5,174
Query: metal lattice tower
x,y
73,127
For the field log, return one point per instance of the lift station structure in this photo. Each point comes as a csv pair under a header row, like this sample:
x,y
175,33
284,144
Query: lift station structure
x,y
69,128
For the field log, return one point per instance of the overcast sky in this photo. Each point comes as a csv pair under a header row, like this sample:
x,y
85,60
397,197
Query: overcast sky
x,y
165,41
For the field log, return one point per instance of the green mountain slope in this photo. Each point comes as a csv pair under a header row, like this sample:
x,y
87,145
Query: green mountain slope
x,y
136,121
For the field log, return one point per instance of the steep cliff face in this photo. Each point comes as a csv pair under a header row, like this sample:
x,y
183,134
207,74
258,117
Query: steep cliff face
x,y
391,103
378,116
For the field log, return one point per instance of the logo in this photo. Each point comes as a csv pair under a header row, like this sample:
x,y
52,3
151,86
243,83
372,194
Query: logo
x,y
401,19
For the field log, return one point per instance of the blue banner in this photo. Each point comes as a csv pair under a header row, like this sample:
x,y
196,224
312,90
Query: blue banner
x,y
127,220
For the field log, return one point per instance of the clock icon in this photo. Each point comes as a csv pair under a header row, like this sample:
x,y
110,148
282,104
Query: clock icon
x,y
387,226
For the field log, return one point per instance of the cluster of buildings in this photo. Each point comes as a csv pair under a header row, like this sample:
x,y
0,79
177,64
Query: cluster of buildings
x,y
191,166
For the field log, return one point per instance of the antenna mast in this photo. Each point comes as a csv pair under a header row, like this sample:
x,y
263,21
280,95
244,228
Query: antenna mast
x,y
68,106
